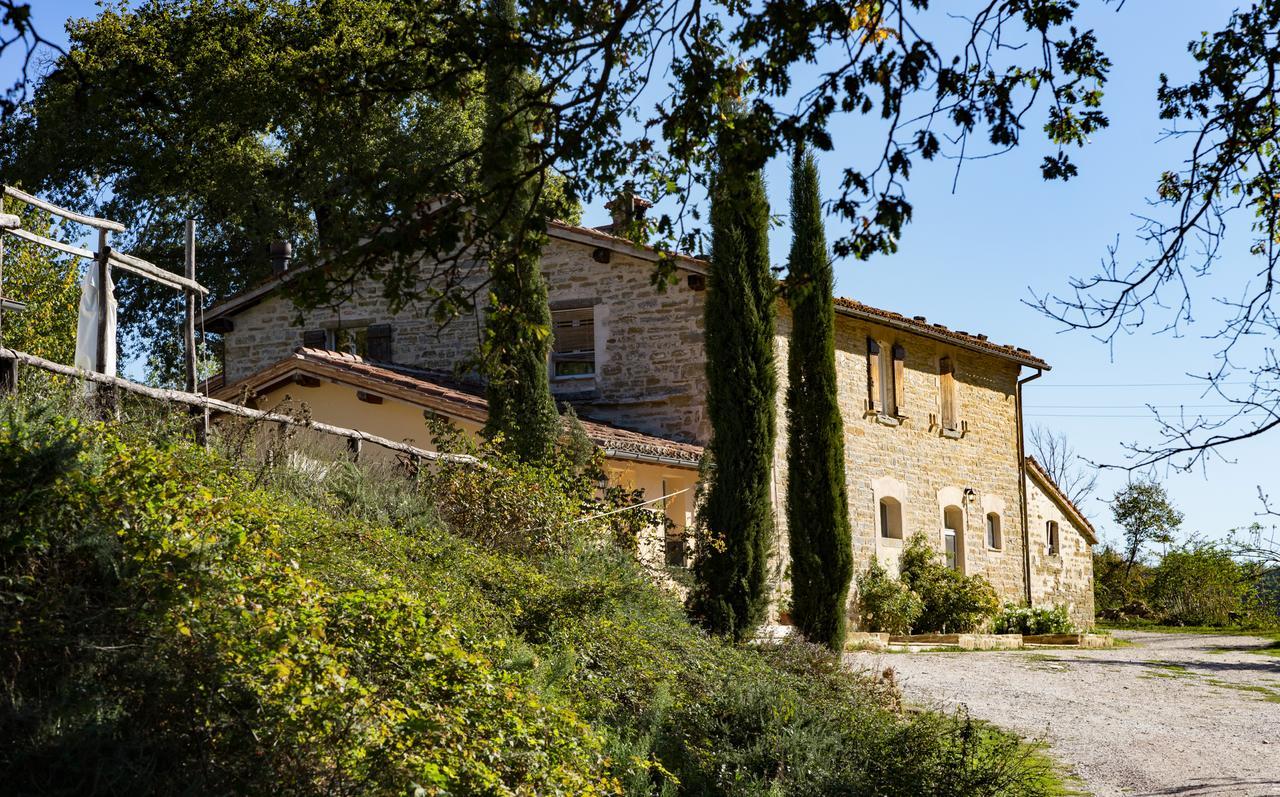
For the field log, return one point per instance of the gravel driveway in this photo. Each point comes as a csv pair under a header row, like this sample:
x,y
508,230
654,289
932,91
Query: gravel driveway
x,y
1176,714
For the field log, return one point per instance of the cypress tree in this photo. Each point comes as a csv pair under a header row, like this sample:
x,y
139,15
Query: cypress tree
x,y
517,339
817,500
731,592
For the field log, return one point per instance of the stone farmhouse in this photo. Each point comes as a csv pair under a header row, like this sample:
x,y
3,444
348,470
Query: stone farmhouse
x,y
932,415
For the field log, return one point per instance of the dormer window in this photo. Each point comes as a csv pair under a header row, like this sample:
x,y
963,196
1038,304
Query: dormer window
x,y
573,353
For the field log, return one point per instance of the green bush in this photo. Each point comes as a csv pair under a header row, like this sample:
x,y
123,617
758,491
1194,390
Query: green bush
x,y
884,603
172,622
1016,619
1201,584
953,602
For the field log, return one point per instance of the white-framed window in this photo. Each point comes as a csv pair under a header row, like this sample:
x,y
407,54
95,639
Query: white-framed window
x,y
1051,538
573,351
994,540
953,537
890,518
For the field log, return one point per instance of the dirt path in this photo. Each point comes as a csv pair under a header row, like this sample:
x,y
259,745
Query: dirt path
x,y
1176,714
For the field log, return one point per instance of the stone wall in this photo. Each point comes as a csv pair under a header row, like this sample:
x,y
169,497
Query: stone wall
x,y
649,353
650,363
908,459
1064,579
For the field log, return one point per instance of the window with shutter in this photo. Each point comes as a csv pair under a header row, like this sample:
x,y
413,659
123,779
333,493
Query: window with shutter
x,y
379,338
873,376
899,379
573,353
947,388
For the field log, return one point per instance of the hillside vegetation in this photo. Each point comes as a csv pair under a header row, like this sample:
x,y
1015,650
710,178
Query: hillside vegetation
x,y
173,621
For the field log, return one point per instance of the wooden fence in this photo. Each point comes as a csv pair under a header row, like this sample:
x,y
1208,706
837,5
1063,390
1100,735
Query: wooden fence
x,y
106,259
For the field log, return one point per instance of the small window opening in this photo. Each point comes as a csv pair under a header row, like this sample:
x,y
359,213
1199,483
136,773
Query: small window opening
x,y
953,537
890,519
993,531
1051,538
349,340
573,354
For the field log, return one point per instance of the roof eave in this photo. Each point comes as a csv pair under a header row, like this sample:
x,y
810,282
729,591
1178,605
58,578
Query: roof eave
x,y
927,332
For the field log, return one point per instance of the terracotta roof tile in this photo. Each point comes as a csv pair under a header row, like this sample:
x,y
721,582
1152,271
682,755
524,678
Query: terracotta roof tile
x,y
467,401
920,325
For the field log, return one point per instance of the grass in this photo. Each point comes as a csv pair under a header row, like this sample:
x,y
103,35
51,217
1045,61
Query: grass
x,y
1272,635
1264,692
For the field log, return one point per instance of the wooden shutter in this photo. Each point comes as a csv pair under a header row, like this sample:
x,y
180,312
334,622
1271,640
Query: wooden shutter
x,y
873,375
379,342
314,338
574,330
947,387
899,380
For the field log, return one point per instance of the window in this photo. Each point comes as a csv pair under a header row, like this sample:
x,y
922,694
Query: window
x,y
1051,538
890,519
953,537
885,378
573,354
947,388
993,531
349,340
364,340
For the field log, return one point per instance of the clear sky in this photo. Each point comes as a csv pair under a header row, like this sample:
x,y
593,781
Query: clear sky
x,y
972,256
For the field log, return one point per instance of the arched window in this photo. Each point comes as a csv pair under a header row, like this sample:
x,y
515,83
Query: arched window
x,y
953,537
890,519
993,531
1051,538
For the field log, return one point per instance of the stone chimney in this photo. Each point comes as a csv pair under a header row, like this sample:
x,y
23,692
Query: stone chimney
x,y
628,213
281,255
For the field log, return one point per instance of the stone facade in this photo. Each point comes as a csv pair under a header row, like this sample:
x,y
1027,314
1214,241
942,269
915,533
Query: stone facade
x,y
649,377
1063,576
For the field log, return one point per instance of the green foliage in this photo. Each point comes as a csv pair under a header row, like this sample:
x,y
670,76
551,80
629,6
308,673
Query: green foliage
x,y
885,603
1143,511
731,567
1115,584
47,283
171,622
1015,619
245,115
817,503
517,336
953,602
1200,583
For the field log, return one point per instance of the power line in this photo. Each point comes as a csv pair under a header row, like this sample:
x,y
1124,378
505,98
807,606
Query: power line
x,y
1207,383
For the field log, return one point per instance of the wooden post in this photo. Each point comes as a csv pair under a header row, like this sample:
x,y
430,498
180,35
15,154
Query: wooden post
x,y
1,274
106,395
353,448
189,336
189,327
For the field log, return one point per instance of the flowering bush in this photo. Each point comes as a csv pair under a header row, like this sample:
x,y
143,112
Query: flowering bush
x,y
1015,619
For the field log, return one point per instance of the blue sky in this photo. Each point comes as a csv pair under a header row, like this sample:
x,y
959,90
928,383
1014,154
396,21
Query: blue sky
x,y
972,256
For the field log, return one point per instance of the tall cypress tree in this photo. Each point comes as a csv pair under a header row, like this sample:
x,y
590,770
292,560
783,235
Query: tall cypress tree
x,y
817,500
731,566
517,337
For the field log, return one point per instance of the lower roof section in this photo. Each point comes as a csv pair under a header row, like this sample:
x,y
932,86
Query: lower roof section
x,y
437,392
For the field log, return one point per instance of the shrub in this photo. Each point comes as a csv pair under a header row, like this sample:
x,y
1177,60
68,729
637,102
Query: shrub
x,y
1201,584
884,603
1015,619
172,623
953,602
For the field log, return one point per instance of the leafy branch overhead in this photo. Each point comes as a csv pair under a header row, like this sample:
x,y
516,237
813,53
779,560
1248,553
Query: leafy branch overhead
x,y
1228,168
342,124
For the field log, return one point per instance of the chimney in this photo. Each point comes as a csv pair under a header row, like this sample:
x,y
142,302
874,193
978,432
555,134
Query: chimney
x,y
281,254
628,214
